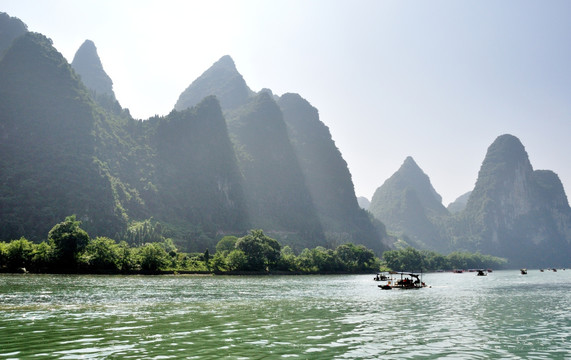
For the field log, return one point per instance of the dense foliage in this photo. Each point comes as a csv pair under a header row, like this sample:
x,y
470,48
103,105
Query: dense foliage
x,y
70,249
410,259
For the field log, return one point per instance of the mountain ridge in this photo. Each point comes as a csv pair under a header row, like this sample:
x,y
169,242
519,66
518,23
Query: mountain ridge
x,y
192,174
513,211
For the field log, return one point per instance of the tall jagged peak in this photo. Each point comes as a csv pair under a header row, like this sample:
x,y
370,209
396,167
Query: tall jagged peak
x,y
226,62
507,148
506,169
407,203
223,80
412,175
517,212
87,65
410,165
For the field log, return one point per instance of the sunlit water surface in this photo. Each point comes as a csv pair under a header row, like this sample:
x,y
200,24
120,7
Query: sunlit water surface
x,y
503,315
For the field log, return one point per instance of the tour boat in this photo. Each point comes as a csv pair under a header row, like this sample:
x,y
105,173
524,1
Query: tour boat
x,y
400,280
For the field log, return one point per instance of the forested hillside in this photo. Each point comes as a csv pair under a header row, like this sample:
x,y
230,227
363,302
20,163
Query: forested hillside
x,y
226,160
49,168
297,181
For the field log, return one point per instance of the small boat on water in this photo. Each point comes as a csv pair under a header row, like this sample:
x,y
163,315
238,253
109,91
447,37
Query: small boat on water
x,y
381,277
481,273
401,280
523,271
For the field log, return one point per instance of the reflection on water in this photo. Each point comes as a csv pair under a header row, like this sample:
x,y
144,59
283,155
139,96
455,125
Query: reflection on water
x,y
503,315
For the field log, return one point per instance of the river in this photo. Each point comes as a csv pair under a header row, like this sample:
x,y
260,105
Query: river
x,y
503,315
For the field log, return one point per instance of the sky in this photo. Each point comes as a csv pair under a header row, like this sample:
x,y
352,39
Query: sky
x,y
435,80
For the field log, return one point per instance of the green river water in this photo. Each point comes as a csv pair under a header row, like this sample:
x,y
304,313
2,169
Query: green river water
x,y
504,315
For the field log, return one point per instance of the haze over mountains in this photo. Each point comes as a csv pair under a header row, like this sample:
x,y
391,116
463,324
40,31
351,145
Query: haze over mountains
x,y
224,161
228,159
513,211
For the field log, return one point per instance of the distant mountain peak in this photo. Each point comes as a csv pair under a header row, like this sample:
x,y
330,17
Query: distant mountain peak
x,y
407,203
409,160
227,62
508,142
517,212
223,80
88,66
410,164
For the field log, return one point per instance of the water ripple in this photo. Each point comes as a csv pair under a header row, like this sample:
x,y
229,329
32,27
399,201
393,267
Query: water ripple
x,y
325,317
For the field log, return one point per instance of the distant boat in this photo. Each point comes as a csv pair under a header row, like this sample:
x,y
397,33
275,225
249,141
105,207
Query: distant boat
x,y
523,271
481,273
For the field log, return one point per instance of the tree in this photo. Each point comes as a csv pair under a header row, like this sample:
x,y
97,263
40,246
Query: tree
x,y
324,259
42,257
304,261
219,262
261,251
408,259
68,240
102,254
126,261
287,259
19,254
227,243
236,260
3,254
207,259
153,257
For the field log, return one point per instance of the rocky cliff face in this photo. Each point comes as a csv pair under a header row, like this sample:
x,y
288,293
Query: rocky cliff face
x,y
327,176
517,212
87,65
278,197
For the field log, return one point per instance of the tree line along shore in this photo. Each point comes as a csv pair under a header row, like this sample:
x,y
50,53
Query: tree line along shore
x,y
69,249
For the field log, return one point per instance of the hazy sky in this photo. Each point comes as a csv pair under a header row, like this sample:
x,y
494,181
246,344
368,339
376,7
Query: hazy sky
x,y
436,80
